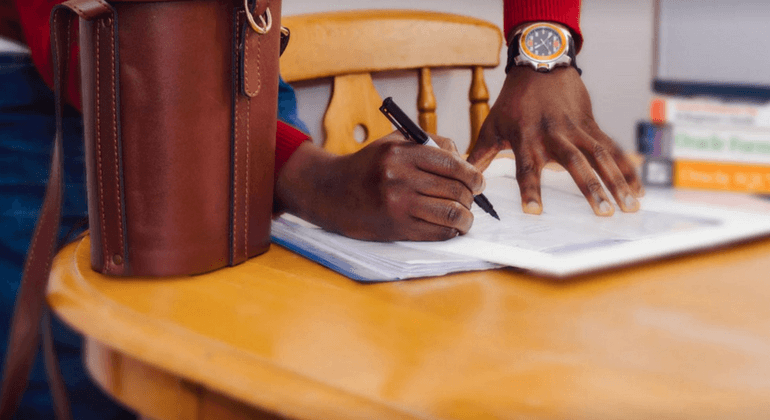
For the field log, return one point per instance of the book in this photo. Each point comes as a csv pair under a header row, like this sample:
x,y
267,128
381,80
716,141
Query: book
x,y
709,111
749,145
565,240
699,156
681,173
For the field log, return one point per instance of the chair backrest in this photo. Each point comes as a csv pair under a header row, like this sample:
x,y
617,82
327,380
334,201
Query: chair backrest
x,y
349,46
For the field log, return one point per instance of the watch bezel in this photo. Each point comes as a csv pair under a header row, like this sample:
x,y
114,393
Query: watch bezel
x,y
563,48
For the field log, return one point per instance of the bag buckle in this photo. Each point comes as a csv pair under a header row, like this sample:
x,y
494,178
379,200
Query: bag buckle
x,y
266,19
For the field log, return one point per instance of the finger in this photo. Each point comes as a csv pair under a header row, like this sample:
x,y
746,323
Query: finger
x,y
602,161
528,176
445,143
420,230
486,148
441,187
441,212
623,163
577,165
448,165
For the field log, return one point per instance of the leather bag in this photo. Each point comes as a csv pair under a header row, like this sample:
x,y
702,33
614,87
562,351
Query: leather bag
x,y
179,109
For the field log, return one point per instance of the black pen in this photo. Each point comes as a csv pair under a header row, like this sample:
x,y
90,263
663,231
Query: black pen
x,y
412,131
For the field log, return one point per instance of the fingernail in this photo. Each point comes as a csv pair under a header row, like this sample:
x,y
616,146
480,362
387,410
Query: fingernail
x,y
630,202
532,208
605,207
483,184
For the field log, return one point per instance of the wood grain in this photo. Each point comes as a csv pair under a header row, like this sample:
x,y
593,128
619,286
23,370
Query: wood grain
x,y
685,337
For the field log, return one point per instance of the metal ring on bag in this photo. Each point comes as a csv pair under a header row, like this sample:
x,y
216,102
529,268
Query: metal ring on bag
x,y
266,25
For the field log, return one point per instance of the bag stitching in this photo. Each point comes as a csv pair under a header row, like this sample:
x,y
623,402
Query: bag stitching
x,y
102,211
246,66
235,170
115,135
246,202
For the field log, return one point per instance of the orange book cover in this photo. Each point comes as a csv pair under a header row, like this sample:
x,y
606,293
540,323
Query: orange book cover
x,y
670,109
721,176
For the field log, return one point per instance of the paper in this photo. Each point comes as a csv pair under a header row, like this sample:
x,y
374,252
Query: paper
x,y
367,261
566,239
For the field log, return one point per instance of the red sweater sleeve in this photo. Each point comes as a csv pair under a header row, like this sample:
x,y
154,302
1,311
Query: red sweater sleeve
x,y
287,140
34,16
566,12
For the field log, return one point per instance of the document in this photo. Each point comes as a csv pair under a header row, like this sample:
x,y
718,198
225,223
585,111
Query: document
x,y
566,239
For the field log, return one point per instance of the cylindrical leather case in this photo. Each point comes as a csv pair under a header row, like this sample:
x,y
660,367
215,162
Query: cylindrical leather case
x,y
179,106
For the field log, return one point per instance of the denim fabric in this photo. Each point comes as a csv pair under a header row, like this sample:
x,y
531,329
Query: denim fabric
x,y
27,128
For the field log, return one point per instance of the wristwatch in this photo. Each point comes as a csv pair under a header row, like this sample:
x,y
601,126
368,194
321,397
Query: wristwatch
x,y
542,46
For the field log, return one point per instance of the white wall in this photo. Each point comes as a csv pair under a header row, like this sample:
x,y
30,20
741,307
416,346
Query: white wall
x,y
616,63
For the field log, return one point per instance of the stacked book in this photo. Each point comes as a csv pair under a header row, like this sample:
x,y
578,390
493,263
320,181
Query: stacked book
x,y
696,142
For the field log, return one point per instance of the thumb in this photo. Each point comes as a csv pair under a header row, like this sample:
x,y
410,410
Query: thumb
x,y
485,149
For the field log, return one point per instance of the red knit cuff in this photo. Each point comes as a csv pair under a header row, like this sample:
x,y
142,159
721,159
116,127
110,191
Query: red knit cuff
x,y
287,140
566,12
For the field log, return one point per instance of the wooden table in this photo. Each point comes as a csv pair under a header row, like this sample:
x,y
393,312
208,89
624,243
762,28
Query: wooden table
x,y
687,337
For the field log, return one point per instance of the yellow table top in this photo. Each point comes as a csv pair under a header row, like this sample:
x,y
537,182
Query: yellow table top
x,y
688,337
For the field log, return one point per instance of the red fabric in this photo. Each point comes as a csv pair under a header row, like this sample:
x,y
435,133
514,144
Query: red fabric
x,y
566,12
287,140
34,16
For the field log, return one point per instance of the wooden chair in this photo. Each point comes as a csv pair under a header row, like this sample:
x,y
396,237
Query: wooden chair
x,y
349,46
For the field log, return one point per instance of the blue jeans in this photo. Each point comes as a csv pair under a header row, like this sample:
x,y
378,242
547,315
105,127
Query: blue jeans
x,y
27,128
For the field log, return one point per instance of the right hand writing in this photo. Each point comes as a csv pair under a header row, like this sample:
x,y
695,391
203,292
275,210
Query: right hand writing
x,y
390,190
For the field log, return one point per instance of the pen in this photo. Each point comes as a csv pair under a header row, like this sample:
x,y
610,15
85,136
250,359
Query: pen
x,y
412,131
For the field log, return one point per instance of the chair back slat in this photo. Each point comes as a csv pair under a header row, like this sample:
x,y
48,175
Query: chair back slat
x,y
348,46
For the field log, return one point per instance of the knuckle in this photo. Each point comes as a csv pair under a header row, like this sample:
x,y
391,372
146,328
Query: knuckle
x,y
600,152
617,153
450,163
389,175
619,181
568,123
588,121
454,213
547,124
573,158
391,152
529,190
594,186
525,168
392,199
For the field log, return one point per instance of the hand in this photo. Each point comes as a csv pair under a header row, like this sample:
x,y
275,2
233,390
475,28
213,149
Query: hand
x,y
547,117
390,190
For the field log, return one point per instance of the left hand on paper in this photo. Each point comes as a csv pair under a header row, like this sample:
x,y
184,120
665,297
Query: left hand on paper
x,y
546,117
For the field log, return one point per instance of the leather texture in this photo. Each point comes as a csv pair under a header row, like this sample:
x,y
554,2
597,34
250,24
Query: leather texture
x,y
179,167
179,151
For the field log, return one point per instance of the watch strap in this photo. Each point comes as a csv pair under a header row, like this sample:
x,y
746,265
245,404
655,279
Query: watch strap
x,y
513,52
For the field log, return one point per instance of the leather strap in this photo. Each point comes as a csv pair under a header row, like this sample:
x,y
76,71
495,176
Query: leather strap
x,y
30,306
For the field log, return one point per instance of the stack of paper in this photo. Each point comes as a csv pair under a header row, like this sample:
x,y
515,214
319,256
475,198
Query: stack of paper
x,y
364,260
566,239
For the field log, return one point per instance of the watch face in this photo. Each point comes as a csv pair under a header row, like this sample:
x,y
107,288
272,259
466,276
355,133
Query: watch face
x,y
543,42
